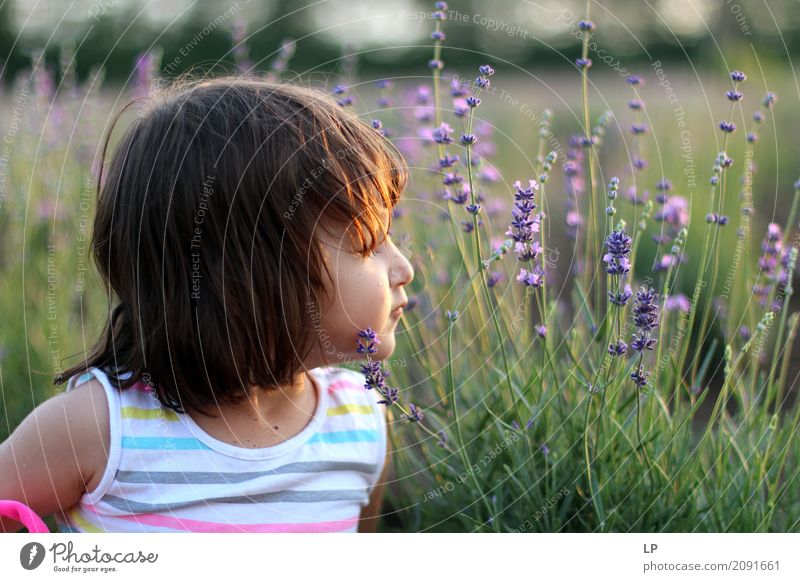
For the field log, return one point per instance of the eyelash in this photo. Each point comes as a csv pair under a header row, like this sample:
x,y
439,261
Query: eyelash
x,y
379,249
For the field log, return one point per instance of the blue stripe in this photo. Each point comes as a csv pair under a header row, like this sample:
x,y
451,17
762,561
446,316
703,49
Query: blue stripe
x,y
163,443
66,529
344,436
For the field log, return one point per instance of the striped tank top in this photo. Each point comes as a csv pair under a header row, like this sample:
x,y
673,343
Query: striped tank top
x,y
165,474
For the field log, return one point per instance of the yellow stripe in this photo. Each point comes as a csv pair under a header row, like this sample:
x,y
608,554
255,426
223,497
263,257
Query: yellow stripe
x,y
82,523
352,408
148,413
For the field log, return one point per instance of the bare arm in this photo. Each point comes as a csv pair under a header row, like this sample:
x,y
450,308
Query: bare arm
x,y
50,458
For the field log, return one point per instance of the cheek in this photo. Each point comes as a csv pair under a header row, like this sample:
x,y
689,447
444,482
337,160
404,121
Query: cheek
x,y
362,298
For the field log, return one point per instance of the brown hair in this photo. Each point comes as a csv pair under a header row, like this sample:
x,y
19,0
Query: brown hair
x,y
205,233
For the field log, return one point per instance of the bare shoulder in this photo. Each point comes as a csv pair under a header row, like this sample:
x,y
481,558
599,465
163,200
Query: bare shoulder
x,y
86,411
76,424
58,452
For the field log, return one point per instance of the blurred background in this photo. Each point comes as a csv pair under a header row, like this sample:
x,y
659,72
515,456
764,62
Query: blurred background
x,y
67,67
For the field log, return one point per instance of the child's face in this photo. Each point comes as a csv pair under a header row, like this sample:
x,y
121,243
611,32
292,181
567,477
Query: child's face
x,y
366,293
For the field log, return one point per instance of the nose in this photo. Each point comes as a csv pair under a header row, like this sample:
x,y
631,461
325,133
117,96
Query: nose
x,y
402,272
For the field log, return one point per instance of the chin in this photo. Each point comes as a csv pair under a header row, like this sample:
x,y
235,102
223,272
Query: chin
x,y
386,347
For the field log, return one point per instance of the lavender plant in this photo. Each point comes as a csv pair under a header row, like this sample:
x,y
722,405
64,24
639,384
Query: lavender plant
x,y
605,391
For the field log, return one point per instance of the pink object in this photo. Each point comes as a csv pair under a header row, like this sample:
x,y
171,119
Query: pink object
x,y
23,514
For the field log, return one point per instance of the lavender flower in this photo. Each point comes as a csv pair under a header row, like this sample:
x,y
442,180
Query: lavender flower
x,y
619,348
371,340
639,377
524,223
415,413
619,247
390,396
738,76
677,302
734,95
442,134
534,278
772,247
583,63
486,70
586,25
645,318
448,161
468,139
620,298
375,375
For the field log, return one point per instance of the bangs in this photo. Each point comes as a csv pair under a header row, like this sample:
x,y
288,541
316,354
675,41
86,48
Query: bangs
x,y
363,187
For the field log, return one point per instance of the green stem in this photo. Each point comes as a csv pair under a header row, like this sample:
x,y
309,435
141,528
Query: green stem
x,y
457,421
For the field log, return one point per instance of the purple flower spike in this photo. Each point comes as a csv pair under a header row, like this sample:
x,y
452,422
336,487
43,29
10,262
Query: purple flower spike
x,y
618,349
619,247
635,80
468,139
533,278
371,338
390,396
620,298
677,302
473,101
738,76
727,126
586,25
645,311
525,224
415,413
639,377
486,70
583,63
448,161
442,134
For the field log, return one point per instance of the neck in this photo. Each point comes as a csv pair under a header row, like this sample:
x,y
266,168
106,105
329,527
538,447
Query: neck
x,y
267,406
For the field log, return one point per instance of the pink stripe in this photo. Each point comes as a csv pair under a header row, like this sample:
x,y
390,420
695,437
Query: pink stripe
x,y
343,385
194,525
141,387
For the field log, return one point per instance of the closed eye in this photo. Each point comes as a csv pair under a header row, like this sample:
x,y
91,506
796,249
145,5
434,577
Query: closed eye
x,y
380,247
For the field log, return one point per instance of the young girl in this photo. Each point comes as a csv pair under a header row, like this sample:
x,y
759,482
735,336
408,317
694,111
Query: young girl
x,y
242,232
